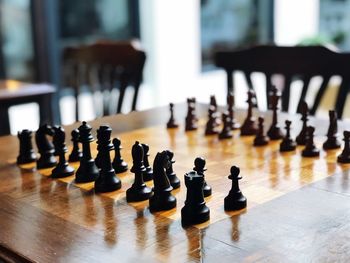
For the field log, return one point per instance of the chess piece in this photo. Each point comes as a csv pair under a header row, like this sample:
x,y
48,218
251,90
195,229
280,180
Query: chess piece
x,y
302,137
199,167
332,141
310,149
235,199
275,132
148,174
173,179
45,147
87,171
172,122
26,152
162,198
63,169
191,119
230,105
216,114
107,181
139,191
195,210
260,138
98,156
226,132
119,164
76,153
344,157
287,144
249,127
211,125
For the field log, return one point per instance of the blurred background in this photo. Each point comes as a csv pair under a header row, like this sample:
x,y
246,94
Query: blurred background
x,y
178,37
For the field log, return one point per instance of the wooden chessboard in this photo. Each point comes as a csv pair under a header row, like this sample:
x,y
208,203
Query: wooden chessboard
x,y
291,199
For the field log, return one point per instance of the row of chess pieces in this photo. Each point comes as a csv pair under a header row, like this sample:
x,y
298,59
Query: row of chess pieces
x,y
104,172
251,127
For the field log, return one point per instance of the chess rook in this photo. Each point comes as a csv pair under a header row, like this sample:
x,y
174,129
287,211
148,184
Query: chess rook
x,y
310,149
275,132
191,118
195,210
332,141
260,139
211,126
226,132
230,108
26,151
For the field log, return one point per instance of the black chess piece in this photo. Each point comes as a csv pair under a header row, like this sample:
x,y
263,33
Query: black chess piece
x,y
310,149
162,198
216,114
139,191
288,144
195,210
344,157
107,181
191,119
199,167
249,126
302,137
173,179
26,151
230,108
211,126
148,174
226,132
119,165
275,132
98,156
63,169
332,141
87,171
172,122
45,147
235,199
260,138
76,153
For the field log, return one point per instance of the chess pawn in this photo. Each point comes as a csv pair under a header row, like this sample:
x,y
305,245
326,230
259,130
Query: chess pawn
x,y
63,169
332,141
172,122
230,104
26,152
260,138
139,191
310,149
148,174
235,199
45,147
287,144
87,171
119,164
162,198
195,210
107,181
226,132
199,167
210,128
301,139
344,157
173,179
275,133
76,153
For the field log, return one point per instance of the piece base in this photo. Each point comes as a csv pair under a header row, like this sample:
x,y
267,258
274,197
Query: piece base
x,y
162,202
62,171
191,216
233,204
138,194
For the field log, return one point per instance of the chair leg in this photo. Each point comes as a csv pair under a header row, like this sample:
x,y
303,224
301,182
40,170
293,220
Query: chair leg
x,y
136,94
121,99
45,109
319,95
4,121
341,98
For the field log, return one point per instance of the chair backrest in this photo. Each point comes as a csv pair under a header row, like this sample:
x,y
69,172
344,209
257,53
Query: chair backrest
x,y
104,66
303,62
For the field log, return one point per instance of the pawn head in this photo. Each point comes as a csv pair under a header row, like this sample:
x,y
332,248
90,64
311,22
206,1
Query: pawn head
x,y
199,164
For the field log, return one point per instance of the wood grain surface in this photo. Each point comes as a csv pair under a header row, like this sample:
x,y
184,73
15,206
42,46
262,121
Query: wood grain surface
x,y
298,208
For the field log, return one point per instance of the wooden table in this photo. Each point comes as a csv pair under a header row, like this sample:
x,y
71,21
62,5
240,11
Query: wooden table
x,y
298,208
14,93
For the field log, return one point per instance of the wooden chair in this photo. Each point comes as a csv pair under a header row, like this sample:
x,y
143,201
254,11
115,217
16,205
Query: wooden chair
x,y
104,66
302,62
